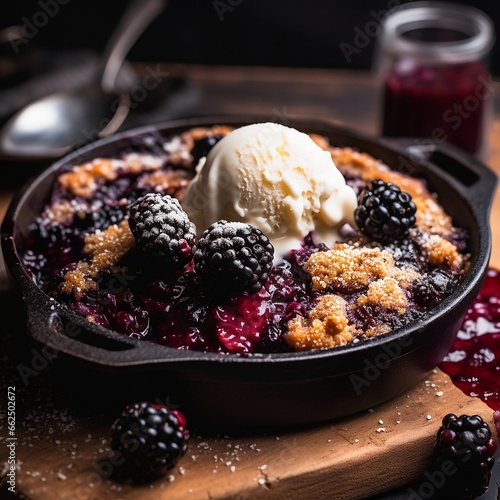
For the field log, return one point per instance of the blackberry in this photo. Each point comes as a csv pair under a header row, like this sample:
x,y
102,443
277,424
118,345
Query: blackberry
x,y
147,144
45,232
148,439
384,212
162,228
203,146
234,255
99,218
464,445
433,288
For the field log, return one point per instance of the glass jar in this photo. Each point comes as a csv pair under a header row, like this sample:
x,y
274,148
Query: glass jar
x,y
433,58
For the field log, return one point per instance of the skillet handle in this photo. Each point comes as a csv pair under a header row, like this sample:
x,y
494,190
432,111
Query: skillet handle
x,y
470,177
71,334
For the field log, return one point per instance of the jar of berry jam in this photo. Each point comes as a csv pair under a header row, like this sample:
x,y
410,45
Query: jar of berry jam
x,y
436,83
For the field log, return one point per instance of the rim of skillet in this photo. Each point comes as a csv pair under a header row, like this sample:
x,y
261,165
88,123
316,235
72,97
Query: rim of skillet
x,y
471,280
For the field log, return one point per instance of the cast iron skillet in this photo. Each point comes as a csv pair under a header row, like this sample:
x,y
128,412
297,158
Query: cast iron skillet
x,y
273,389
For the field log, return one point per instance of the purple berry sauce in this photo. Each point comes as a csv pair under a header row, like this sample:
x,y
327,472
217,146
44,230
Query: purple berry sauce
x,y
473,362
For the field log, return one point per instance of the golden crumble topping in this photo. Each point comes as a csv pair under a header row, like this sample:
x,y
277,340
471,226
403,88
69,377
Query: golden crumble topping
x,y
164,181
108,246
442,252
135,163
197,133
325,326
179,149
105,249
385,292
82,180
347,268
377,330
61,210
79,280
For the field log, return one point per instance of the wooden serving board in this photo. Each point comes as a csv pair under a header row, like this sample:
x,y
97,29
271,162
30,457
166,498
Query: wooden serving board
x,y
64,456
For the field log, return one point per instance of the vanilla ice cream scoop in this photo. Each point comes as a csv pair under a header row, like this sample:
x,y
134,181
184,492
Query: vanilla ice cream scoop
x,y
275,178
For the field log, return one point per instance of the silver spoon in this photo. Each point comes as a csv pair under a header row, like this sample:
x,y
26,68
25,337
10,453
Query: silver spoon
x,y
50,126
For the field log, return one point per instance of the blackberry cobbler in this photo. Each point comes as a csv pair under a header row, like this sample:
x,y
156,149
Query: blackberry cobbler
x,y
152,244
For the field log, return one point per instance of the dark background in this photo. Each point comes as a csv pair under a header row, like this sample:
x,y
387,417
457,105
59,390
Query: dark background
x,y
306,33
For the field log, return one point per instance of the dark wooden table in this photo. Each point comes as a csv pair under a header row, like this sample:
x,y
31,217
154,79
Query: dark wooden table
x,y
61,443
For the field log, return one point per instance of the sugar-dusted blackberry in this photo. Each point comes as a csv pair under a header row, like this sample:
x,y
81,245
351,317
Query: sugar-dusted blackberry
x,y
162,228
203,146
148,439
465,452
384,212
233,257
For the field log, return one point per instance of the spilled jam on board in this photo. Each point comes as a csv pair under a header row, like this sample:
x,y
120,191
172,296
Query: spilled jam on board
x,y
473,362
